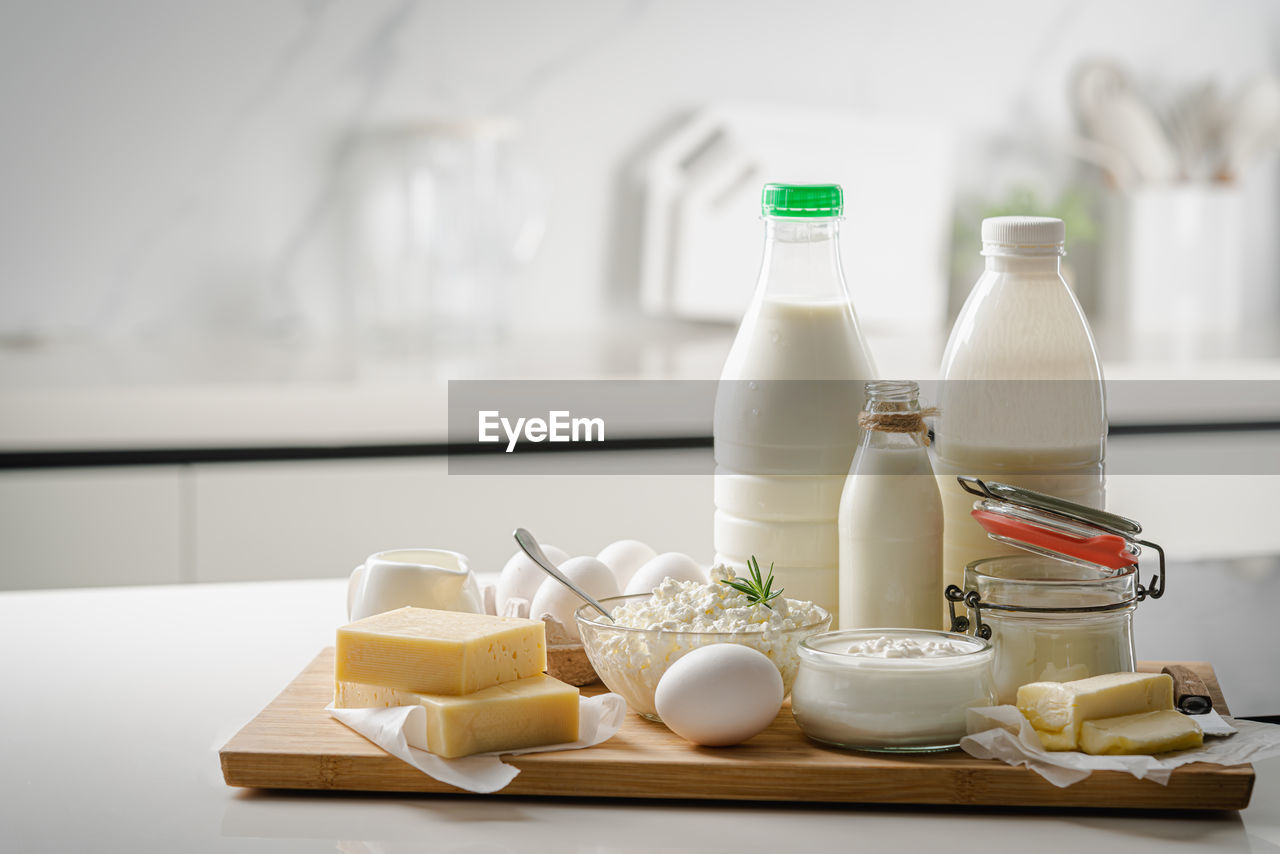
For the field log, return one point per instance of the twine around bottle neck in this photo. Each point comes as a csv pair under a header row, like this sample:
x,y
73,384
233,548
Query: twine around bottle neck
x,y
898,422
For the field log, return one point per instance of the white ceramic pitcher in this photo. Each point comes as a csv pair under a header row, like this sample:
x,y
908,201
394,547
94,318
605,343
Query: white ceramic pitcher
x,y
422,578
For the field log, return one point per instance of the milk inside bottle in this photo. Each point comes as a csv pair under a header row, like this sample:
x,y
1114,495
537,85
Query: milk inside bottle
x,y
786,414
1021,398
890,523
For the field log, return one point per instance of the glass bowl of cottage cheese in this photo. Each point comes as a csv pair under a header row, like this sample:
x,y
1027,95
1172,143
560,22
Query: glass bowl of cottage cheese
x,y
651,631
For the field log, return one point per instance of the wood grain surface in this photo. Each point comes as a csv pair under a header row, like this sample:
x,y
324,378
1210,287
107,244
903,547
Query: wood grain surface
x,y
294,744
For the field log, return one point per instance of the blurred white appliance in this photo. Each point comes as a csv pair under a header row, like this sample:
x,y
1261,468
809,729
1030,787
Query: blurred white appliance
x,y
436,218
1174,263
1189,256
702,233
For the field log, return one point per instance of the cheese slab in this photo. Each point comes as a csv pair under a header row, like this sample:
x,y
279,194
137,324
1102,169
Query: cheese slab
x,y
527,712
1058,709
1149,732
439,652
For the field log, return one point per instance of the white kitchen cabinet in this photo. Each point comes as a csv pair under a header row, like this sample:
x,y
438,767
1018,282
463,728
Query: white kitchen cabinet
x,y
321,518
91,526
310,519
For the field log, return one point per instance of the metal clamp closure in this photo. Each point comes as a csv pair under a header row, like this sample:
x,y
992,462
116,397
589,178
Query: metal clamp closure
x,y
960,623
1155,589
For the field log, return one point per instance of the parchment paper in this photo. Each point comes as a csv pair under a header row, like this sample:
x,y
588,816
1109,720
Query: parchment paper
x,y
402,732
1001,732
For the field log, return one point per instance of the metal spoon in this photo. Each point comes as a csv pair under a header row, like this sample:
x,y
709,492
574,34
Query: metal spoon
x,y
530,547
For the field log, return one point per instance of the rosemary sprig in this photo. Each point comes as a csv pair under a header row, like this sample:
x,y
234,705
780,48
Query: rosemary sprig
x,y
758,590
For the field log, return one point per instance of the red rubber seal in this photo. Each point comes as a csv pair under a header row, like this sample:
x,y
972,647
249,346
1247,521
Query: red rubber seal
x,y
1106,550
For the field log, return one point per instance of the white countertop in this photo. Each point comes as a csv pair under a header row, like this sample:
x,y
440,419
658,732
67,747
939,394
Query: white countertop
x,y
229,393
75,394
117,700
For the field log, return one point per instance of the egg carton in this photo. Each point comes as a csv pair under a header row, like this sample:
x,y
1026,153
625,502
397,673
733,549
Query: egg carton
x,y
566,656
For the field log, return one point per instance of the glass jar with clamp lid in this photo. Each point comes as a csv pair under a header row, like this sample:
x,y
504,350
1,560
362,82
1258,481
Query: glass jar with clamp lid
x,y
1065,610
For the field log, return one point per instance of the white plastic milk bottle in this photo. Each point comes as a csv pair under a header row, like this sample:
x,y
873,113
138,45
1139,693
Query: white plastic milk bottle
x,y
1022,398
891,519
786,416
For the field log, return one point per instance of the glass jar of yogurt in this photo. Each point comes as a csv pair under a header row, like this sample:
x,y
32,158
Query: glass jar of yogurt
x,y
1050,620
1064,611
891,690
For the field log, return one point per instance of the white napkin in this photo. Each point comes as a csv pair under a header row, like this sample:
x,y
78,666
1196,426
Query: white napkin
x,y
402,732
991,736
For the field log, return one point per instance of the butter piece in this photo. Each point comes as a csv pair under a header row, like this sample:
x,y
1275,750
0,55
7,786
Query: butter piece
x,y
528,712
439,652
1061,707
1046,704
1057,740
1149,732
1053,673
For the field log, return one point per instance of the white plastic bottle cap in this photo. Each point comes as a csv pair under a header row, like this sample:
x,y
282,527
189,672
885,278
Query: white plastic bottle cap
x,y
1023,235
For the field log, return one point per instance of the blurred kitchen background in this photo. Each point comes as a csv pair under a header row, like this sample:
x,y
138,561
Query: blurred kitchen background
x,y
245,245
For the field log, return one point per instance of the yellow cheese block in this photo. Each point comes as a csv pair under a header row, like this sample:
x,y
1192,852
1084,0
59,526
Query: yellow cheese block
x,y
1061,707
439,652
524,713
1149,732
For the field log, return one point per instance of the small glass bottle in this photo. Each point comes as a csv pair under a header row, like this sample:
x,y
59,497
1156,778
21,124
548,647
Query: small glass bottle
x,y
890,523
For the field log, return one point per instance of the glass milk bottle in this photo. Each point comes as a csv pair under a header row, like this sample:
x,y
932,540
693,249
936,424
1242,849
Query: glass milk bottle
x,y
1021,398
786,415
890,522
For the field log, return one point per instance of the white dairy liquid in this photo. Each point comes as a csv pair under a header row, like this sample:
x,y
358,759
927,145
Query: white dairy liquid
x,y
1022,400
778,498
801,338
785,435
810,542
890,533
791,389
900,703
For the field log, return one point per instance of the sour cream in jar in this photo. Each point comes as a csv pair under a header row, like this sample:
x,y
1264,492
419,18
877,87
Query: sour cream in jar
x,y
891,690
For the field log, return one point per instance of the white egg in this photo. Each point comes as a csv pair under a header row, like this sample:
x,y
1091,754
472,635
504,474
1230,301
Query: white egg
x,y
560,602
681,567
625,557
719,694
521,577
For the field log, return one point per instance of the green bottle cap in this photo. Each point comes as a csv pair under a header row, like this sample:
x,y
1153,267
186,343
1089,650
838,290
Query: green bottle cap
x,y
802,200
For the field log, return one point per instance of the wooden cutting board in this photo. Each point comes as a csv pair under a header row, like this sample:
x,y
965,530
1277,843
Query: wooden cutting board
x,y
294,744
